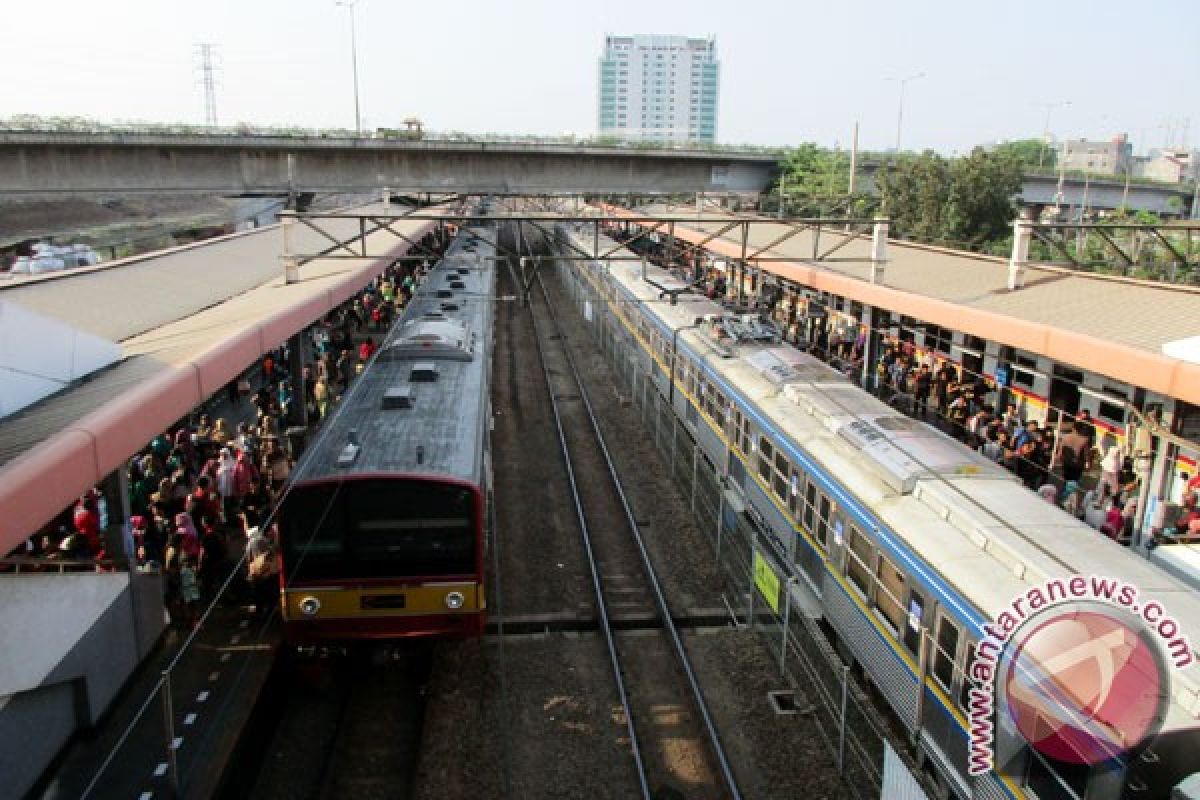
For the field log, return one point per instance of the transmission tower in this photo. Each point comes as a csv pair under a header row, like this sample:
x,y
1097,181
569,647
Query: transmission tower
x,y
207,68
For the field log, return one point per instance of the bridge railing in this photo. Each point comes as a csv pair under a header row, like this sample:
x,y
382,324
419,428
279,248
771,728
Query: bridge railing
x,y
53,126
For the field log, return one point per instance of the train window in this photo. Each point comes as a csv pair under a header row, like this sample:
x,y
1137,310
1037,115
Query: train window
x,y
945,650
1024,371
823,508
890,597
810,508
964,692
765,454
1051,779
912,625
744,434
859,556
373,529
719,406
1020,376
1112,412
795,493
780,478
937,338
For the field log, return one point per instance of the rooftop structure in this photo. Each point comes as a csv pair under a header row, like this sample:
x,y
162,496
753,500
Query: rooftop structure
x,y
659,88
1113,157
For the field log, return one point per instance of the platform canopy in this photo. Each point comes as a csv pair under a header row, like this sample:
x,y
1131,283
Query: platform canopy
x,y
40,356
1184,349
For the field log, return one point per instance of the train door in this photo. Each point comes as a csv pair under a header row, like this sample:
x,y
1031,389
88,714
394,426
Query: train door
x,y
1064,390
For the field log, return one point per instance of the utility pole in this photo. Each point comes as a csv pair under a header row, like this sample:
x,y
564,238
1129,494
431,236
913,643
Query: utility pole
x,y
349,4
1046,128
207,68
900,110
853,159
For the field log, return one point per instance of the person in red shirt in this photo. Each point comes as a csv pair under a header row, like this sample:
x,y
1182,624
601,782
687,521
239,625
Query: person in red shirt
x,y
366,349
244,474
206,500
87,520
1187,526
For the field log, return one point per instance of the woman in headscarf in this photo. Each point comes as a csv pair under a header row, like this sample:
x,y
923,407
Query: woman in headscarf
x,y
226,487
189,539
139,488
321,396
165,496
220,433
1110,468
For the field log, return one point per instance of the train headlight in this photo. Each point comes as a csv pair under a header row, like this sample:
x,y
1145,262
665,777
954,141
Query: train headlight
x,y
454,600
310,606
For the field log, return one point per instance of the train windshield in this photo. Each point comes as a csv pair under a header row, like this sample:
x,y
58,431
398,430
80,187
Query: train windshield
x,y
378,529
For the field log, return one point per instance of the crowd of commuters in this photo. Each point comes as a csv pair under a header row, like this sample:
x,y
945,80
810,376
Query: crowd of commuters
x,y
202,493
1091,477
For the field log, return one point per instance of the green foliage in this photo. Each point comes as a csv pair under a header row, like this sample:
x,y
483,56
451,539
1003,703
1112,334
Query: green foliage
x,y
967,202
816,182
1029,153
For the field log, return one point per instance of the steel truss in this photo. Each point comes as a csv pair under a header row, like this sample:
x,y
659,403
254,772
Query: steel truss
x,y
1168,251
637,227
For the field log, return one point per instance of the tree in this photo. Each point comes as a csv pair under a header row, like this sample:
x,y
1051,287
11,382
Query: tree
x,y
981,205
816,182
1029,153
967,201
914,190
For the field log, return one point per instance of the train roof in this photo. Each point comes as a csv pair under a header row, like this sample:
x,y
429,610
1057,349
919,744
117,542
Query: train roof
x,y
421,404
915,488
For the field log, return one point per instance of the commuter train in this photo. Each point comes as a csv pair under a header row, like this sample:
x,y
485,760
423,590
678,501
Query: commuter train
x,y
1043,388
906,542
384,523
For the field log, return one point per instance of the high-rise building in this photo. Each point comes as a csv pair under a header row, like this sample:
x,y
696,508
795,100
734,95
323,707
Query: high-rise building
x,y
659,88
1108,158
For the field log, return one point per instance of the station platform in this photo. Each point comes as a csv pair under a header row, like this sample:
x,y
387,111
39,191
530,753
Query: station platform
x,y
212,680
73,639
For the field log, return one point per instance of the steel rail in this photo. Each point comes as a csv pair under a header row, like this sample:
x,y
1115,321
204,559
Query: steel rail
x,y
668,622
581,516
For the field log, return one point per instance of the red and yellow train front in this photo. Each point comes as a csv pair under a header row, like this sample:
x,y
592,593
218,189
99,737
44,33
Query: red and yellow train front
x,y
379,557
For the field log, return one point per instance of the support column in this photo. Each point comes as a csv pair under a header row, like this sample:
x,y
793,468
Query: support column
x,y
1022,235
879,249
291,269
869,348
298,414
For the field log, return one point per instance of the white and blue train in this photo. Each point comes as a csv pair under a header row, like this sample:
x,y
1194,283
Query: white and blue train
x,y
905,541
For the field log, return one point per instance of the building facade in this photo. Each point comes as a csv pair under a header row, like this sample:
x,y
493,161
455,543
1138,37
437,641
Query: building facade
x,y
659,88
1173,166
1104,158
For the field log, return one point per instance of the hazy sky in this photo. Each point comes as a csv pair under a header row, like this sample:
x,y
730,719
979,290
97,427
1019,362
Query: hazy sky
x,y
790,71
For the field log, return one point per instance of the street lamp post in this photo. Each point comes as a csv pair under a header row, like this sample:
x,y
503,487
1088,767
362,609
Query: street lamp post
x,y
900,109
349,4
1046,128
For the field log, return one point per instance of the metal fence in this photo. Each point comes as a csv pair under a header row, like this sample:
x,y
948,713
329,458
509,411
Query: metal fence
x,y
848,723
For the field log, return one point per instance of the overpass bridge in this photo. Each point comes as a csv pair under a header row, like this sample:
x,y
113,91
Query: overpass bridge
x,y
1096,192
45,164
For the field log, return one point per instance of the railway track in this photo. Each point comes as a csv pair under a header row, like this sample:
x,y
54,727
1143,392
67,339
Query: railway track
x,y
344,726
673,740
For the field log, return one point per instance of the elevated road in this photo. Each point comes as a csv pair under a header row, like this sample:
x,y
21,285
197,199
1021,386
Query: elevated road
x,y
43,163
1097,192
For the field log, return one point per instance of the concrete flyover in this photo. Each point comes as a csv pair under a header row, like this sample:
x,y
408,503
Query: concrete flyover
x,y
45,163
1096,192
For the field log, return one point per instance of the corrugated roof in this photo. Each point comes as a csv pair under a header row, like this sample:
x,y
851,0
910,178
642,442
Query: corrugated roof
x,y
165,310
1138,314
